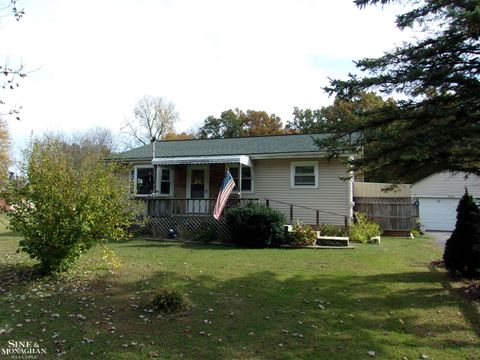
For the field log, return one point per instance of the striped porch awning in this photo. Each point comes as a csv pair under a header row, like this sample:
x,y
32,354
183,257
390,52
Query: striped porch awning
x,y
195,160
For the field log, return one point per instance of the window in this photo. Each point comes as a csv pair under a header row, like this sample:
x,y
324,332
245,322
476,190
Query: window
x,y
304,174
143,181
165,179
247,178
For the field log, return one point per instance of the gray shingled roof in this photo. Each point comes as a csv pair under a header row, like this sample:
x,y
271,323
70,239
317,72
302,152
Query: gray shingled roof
x,y
232,146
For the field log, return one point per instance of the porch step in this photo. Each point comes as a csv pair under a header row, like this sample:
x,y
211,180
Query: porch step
x,y
333,241
317,247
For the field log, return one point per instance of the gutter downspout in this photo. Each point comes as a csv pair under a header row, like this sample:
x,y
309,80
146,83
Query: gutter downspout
x,y
350,202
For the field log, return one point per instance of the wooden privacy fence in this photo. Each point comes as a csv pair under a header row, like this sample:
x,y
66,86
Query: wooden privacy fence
x,y
392,214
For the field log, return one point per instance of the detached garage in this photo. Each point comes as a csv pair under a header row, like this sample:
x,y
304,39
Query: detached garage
x,y
438,197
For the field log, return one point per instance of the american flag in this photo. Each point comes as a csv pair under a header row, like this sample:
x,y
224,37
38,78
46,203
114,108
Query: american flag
x,y
227,186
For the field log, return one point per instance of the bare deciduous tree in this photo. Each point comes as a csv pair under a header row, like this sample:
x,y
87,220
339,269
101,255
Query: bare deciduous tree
x,y
4,151
9,73
96,142
154,117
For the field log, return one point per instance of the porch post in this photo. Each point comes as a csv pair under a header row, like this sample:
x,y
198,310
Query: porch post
x,y
154,179
240,181
154,167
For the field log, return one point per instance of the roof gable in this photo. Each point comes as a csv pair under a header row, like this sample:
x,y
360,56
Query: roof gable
x,y
447,184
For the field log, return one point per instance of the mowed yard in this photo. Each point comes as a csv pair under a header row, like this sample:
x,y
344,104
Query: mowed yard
x,y
246,304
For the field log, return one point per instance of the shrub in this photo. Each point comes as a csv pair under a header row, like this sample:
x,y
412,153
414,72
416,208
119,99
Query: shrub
x,y
331,230
255,225
302,235
207,235
419,227
141,227
363,229
415,233
169,301
462,250
63,205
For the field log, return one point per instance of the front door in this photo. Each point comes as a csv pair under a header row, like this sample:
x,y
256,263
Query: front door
x,y
197,189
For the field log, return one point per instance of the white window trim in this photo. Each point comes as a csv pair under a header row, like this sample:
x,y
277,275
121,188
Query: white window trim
x,y
159,181
204,167
251,177
303,163
157,177
135,177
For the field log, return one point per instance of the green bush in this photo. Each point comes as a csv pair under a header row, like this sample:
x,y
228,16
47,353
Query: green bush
x,y
207,235
331,230
168,301
415,233
64,205
363,229
462,250
302,235
255,225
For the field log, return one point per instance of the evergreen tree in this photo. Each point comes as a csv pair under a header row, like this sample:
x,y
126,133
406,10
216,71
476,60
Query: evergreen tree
x,y
436,125
462,250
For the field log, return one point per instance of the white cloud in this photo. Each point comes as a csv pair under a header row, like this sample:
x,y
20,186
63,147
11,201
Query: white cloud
x,y
98,57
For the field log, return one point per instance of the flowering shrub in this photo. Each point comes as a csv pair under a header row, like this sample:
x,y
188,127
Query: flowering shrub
x,y
302,235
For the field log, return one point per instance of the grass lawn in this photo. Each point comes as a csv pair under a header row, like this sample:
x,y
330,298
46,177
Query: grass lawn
x,y
247,304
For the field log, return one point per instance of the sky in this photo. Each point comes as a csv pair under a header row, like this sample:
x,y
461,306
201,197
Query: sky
x,y
91,60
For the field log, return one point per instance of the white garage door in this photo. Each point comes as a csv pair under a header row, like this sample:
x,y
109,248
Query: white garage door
x,y
438,214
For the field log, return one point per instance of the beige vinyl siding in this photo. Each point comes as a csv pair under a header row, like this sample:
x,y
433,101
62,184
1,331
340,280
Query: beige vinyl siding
x,y
374,190
272,181
446,185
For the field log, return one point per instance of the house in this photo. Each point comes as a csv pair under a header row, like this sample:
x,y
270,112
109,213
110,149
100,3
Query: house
x,y
182,178
438,196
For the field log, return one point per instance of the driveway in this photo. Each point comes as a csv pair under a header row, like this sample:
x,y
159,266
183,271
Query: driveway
x,y
440,237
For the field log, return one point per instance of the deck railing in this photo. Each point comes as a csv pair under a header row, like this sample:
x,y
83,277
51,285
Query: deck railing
x,y
317,212
158,206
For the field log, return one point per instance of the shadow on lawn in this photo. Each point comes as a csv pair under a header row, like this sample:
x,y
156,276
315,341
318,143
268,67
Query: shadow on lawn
x,y
15,275
249,316
10,234
149,243
467,306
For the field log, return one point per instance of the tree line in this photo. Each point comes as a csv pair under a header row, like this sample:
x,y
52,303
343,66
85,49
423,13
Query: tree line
x,y
154,117
433,126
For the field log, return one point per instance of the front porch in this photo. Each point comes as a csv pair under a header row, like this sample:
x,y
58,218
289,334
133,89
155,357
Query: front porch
x,y
189,217
180,193
190,186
